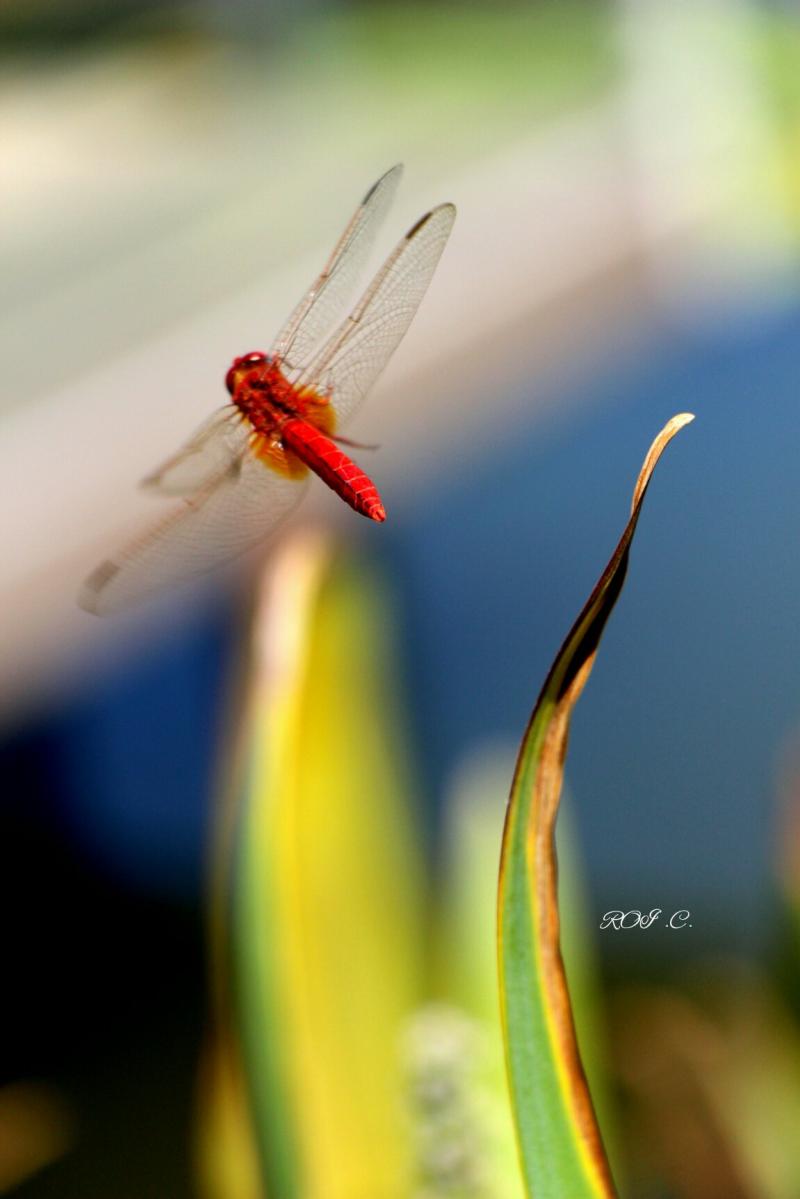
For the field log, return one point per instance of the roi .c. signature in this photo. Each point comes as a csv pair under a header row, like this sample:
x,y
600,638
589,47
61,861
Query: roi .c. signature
x,y
637,919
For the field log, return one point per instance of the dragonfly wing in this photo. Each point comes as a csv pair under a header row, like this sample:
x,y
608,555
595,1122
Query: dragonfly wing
x,y
351,360
325,301
195,537
212,452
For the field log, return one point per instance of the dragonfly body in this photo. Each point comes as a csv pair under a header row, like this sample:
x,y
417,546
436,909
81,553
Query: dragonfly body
x,y
292,428
334,467
244,470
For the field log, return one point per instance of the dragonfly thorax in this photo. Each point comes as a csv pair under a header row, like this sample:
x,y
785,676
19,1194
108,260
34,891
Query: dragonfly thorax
x,y
267,399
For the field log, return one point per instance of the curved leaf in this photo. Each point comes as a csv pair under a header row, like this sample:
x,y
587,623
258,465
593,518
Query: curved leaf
x,y
561,1149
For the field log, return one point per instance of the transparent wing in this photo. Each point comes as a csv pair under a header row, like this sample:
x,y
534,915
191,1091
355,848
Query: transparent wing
x,y
212,452
194,538
324,302
348,364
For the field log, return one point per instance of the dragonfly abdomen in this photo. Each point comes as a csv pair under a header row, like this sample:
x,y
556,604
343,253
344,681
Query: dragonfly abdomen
x,y
334,467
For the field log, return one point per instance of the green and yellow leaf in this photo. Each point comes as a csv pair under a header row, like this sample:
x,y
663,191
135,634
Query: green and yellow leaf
x,y
560,1145
326,888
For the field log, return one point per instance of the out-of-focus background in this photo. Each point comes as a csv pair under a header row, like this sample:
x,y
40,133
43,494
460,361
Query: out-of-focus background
x,y
627,176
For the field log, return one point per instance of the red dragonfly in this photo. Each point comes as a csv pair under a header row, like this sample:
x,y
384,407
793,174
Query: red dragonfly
x,y
246,467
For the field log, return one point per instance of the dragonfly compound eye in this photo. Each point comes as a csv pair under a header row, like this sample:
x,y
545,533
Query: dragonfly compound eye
x,y
246,362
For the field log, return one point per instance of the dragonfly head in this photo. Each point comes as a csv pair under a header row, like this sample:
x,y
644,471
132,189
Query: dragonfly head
x,y
242,367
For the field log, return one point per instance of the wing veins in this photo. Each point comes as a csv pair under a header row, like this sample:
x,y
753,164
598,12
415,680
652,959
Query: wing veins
x,y
370,212
389,274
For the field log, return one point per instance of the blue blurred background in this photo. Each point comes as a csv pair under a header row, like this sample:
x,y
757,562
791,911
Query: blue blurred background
x,y
627,248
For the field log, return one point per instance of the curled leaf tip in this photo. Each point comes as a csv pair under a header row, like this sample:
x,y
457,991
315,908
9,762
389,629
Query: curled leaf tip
x,y
660,443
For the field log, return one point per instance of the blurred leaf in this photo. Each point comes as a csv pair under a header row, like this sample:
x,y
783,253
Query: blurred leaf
x,y
465,978
715,1084
486,71
461,1129
663,1048
465,962
227,1163
560,1145
778,51
327,888
36,1128
754,1089
785,922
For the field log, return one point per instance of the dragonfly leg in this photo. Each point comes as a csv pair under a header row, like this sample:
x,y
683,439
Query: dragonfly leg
x,y
356,445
